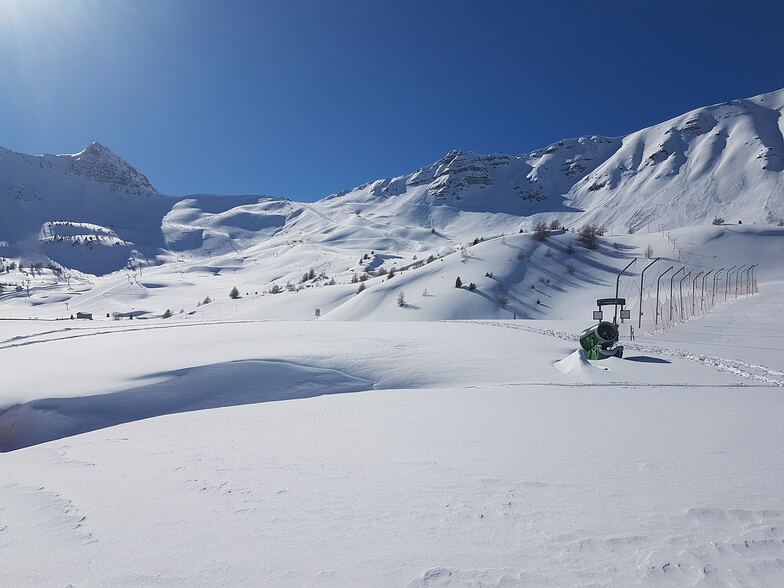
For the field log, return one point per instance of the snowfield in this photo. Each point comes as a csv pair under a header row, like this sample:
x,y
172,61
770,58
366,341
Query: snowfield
x,y
387,454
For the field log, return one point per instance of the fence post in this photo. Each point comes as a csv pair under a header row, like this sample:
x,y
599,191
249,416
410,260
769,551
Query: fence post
x,y
727,282
694,294
702,296
713,295
642,277
671,295
617,286
658,281
737,271
680,290
748,279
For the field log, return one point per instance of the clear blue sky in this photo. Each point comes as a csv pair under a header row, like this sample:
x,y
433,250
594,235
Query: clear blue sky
x,y
302,98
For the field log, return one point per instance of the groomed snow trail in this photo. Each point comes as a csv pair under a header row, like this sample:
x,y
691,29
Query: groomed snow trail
x,y
728,319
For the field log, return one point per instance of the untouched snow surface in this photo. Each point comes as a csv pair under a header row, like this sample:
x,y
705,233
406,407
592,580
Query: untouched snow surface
x,y
393,454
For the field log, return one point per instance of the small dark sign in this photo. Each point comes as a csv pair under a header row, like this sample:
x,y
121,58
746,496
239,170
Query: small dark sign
x,y
608,301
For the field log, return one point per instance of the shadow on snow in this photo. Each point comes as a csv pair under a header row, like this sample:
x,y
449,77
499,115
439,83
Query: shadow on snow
x,y
198,388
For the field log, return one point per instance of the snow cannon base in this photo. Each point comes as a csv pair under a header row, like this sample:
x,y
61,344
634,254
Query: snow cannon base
x,y
616,351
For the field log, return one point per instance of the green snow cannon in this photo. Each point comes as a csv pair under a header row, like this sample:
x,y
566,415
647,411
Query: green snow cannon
x,y
599,341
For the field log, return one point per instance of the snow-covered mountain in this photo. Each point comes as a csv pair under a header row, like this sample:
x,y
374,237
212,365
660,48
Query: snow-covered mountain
x,y
724,160
94,213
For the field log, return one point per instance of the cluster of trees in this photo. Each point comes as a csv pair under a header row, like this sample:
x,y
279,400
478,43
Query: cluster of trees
x,y
459,284
88,240
365,257
97,230
35,268
589,235
308,275
540,232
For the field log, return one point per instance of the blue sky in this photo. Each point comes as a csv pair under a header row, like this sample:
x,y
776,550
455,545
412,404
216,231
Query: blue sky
x,y
302,98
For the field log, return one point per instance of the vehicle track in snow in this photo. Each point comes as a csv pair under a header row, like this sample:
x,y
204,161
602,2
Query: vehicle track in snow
x,y
756,372
68,332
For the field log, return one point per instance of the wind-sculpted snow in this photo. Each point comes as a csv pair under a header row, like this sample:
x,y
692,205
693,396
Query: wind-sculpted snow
x,y
467,459
197,388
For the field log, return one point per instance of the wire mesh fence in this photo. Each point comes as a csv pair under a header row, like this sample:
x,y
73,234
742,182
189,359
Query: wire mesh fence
x,y
664,312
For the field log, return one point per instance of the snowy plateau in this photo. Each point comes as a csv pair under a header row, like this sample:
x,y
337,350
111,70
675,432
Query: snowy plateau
x,y
265,392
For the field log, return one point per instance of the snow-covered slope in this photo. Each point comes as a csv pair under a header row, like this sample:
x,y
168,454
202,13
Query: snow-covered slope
x,y
92,214
724,160
450,454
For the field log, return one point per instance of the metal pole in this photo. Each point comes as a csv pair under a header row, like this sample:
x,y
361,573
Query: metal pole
x,y
672,277
727,281
748,279
713,295
702,296
752,276
694,293
737,271
642,277
617,286
656,318
680,290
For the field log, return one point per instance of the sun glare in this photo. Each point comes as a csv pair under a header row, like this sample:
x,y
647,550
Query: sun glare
x,y
22,17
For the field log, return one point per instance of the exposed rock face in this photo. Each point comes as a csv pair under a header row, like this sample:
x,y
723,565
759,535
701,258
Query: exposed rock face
x,y
101,164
